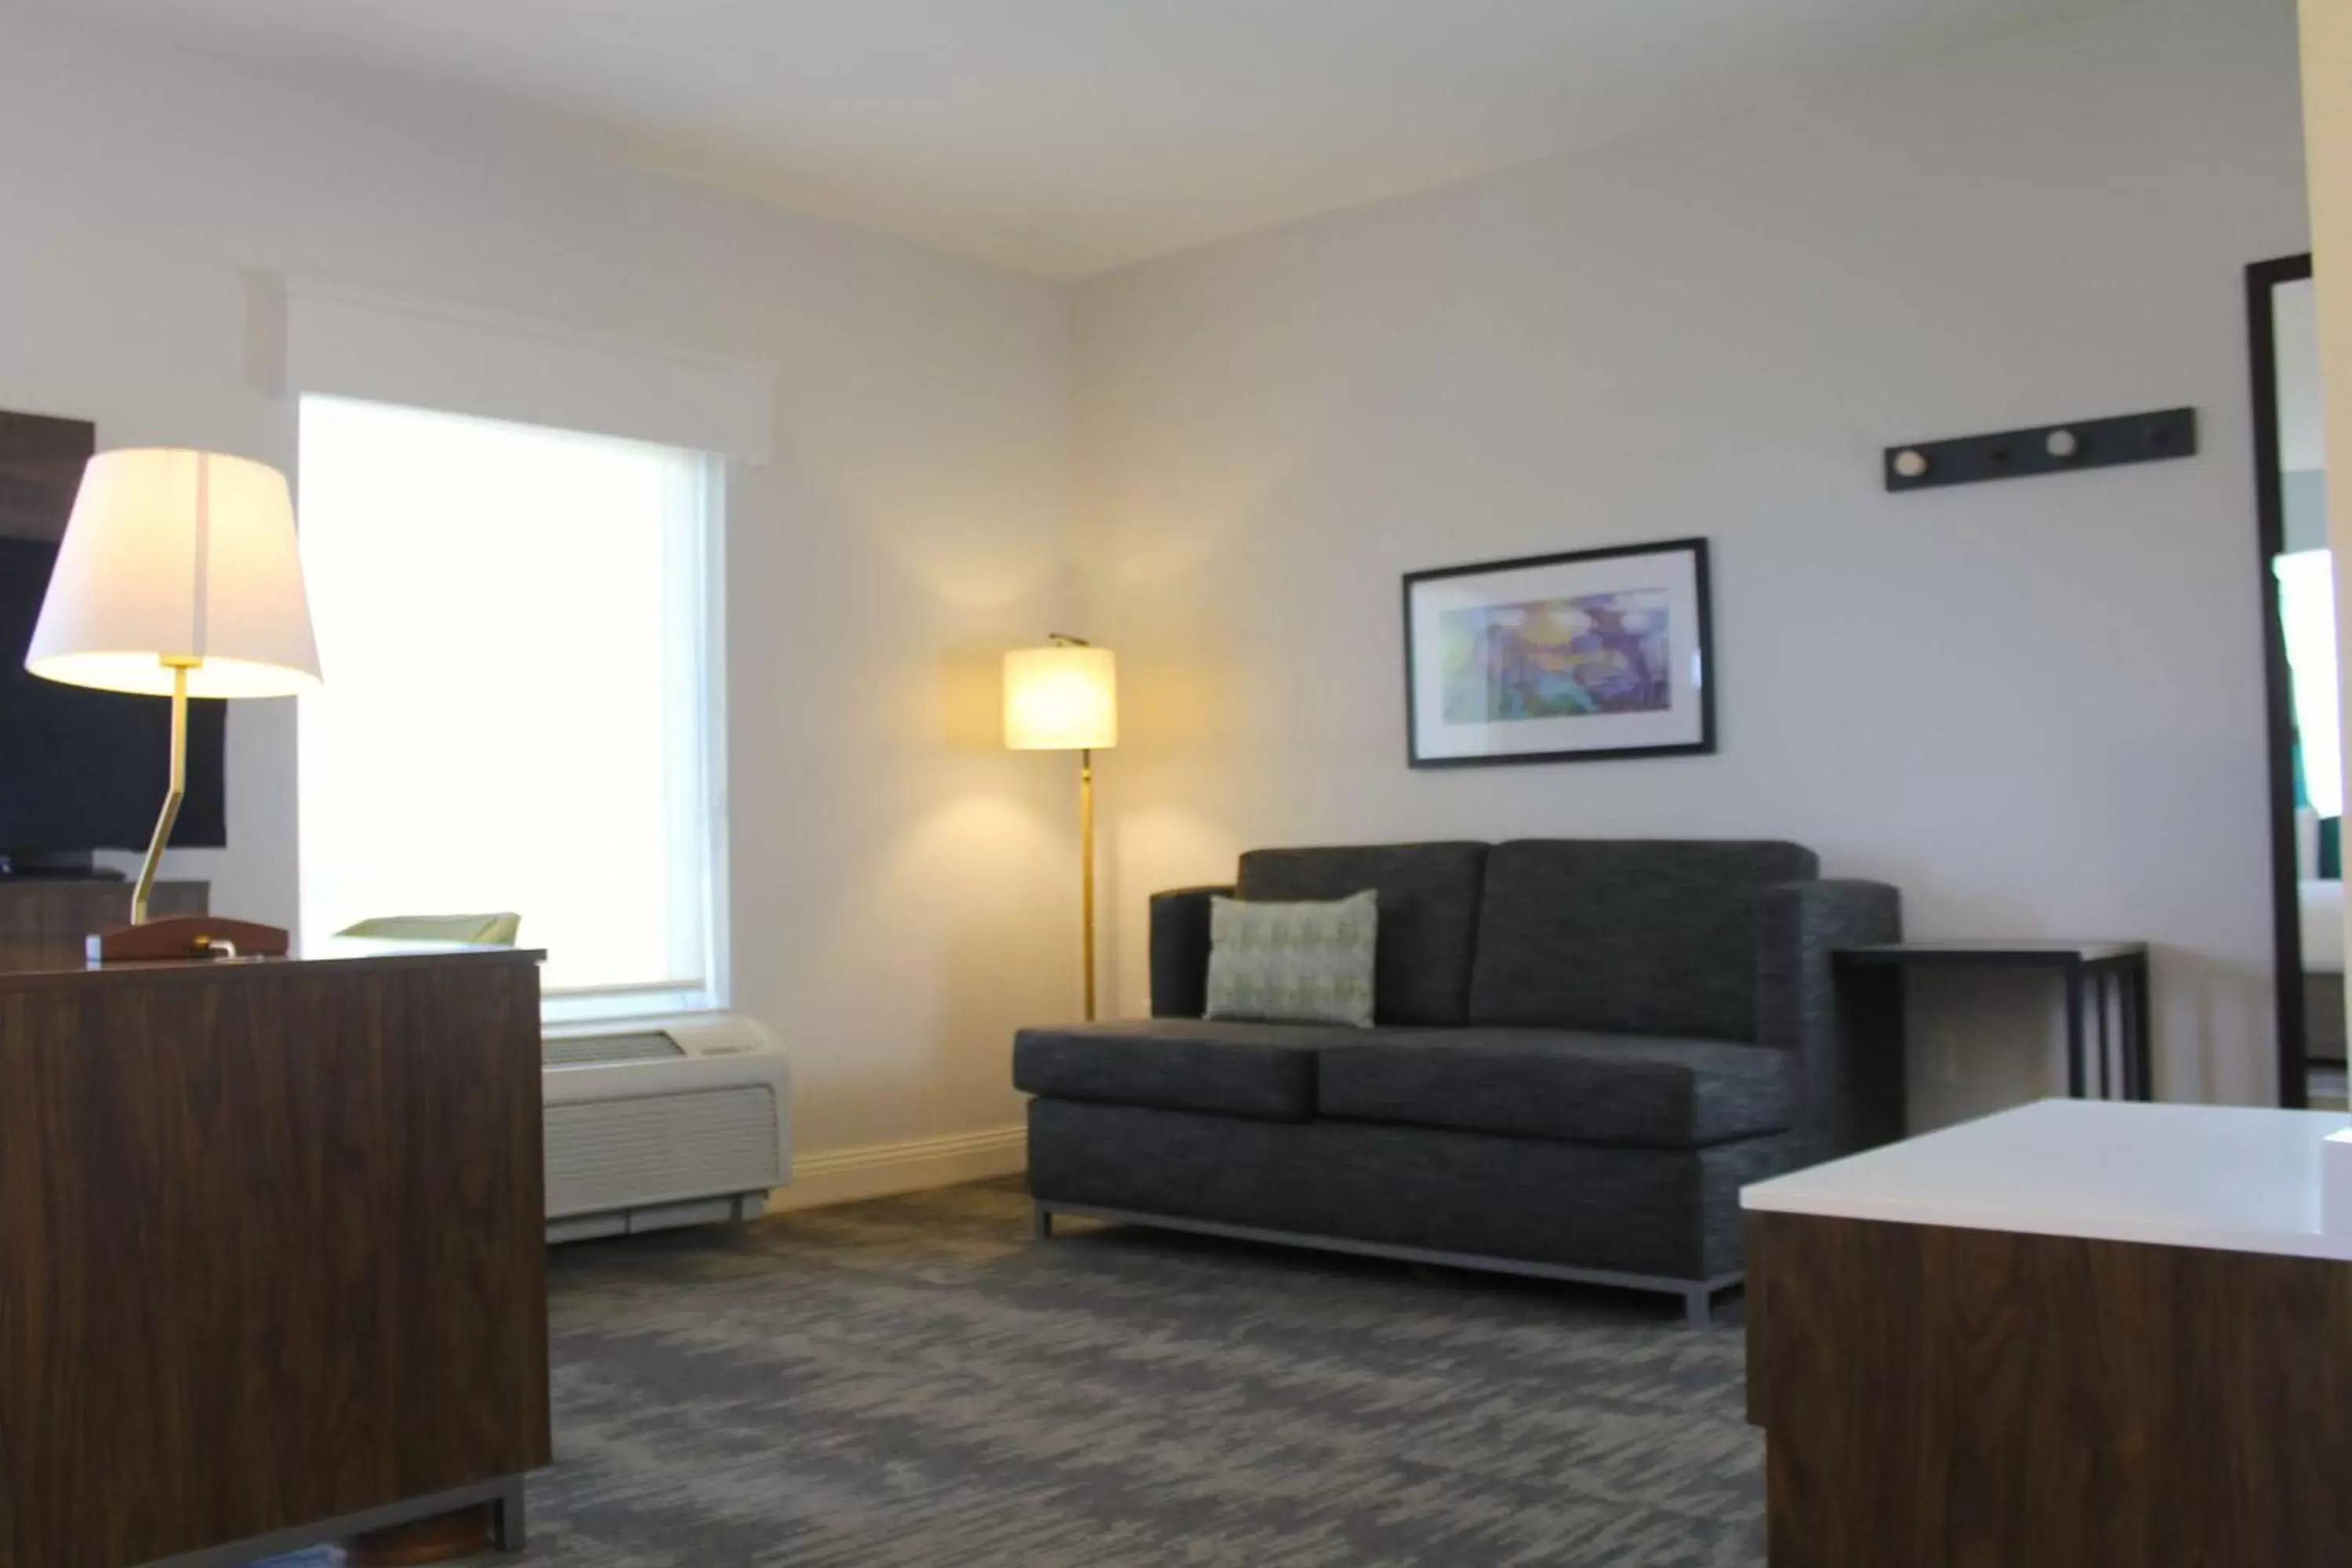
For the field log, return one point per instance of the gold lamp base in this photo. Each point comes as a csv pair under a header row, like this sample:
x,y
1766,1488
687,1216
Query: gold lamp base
x,y
176,939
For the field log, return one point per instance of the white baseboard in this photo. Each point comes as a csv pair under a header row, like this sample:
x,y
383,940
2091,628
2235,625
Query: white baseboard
x,y
880,1170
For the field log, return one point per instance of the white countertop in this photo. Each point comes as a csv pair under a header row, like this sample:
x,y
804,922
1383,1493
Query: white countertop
x,y
2237,1179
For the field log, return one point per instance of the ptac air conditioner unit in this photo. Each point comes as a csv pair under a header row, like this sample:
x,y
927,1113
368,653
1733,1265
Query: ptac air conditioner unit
x,y
671,1123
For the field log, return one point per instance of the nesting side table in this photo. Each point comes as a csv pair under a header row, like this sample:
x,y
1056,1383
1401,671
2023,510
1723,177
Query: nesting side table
x,y
2078,1334
2106,983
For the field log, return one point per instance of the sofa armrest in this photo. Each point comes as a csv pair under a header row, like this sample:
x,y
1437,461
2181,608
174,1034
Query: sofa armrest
x,y
1848,1037
1180,950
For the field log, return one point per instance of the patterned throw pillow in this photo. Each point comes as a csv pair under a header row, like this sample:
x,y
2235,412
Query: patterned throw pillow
x,y
1293,964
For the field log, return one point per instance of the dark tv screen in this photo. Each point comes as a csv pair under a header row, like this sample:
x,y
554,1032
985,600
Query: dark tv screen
x,y
86,770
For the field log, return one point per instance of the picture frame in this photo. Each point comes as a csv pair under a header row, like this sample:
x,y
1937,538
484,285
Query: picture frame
x,y
1583,656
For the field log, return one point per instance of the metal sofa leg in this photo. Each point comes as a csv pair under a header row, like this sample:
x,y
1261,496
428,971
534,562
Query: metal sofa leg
x,y
1698,1307
1041,1222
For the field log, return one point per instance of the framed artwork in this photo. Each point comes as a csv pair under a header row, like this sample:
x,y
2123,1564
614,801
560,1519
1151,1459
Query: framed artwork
x,y
1560,658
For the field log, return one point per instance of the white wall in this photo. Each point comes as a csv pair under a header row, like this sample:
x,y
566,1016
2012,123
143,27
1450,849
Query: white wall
x,y
2035,705
900,884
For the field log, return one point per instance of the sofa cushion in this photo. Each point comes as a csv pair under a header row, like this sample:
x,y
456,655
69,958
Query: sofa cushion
x,y
1429,915
1262,1070
1644,936
1293,964
1641,1090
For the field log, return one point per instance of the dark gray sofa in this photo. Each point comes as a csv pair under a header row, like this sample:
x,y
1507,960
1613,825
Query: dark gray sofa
x,y
1584,1048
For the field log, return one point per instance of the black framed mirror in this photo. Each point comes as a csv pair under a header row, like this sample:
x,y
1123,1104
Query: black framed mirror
x,y
2300,669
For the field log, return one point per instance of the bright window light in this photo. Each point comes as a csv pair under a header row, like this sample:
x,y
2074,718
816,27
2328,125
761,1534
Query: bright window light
x,y
520,710
2306,581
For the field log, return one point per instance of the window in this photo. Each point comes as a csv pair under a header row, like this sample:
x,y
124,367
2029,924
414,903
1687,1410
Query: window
x,y
521,707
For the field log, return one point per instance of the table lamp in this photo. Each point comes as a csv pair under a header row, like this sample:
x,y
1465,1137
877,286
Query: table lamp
x,y
178,577
1065,698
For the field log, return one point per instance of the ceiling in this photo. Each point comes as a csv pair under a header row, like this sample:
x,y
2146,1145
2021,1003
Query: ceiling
x,y
1067,137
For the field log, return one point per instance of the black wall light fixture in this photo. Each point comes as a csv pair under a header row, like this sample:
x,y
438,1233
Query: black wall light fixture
x,y
2045,449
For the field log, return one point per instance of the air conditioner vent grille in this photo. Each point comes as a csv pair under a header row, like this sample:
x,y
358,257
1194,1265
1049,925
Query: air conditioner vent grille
x,y
606,1050
622,1153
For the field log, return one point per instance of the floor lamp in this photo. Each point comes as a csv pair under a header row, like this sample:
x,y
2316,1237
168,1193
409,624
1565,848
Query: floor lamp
x,y
1065,698
178,577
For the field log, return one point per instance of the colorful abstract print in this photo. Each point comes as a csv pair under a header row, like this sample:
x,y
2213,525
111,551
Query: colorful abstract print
x,y
1558,658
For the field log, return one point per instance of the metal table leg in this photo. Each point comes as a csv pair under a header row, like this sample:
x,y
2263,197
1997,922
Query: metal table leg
x,y
1870,1007
2138,1036
2077,1076
2109,1074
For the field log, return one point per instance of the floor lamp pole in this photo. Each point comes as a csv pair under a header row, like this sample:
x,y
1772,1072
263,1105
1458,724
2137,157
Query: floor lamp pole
x,y
1087,873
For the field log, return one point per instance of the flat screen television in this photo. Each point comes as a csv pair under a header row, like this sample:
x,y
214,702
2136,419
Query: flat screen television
x,y
82,770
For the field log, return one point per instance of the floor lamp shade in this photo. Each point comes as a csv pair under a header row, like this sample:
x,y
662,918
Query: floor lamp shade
x,y
178,565
1061,699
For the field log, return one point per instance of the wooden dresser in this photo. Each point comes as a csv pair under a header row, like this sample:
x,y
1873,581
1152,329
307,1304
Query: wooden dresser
x,y
272,1267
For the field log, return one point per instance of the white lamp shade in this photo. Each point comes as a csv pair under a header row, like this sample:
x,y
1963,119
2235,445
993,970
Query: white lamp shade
x,y
1061,699
178,556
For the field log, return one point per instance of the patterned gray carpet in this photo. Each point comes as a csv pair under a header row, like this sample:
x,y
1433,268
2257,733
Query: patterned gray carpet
x,y
915,1383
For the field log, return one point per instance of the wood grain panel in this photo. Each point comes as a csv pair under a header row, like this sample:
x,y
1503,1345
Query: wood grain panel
x,y
43,922
1981,1399
270,1247
41,461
